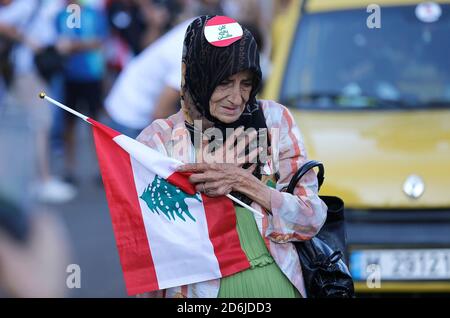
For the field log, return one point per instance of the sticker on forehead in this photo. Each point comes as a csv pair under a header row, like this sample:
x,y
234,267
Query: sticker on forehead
x,y
222,31
428,12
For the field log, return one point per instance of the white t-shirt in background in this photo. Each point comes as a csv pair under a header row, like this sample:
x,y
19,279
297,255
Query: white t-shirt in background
x,y
132,99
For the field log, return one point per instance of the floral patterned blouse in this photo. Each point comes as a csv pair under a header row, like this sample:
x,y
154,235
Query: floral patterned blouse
x,y
293,217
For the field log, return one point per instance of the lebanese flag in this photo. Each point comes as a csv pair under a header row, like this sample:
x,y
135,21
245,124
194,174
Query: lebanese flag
x,y
167,235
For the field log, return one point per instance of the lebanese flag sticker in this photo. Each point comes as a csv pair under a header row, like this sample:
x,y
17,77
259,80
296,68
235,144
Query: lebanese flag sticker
x,y
222,31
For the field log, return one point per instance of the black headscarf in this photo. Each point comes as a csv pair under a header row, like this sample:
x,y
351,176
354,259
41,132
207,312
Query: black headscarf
x,y
204,67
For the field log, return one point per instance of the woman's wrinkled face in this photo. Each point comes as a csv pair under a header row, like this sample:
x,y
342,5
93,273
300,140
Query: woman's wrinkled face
x,y
228,100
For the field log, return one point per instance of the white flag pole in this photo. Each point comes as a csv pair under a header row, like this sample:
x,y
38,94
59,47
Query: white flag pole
x,y
244,205
42,95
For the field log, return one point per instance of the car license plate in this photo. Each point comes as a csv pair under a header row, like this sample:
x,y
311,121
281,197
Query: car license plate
x,y
401,264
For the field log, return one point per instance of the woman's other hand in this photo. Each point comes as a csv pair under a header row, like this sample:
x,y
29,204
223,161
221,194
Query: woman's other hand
x,y
216,179
220,179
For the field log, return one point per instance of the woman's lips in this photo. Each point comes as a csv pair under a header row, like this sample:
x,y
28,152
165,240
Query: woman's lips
x,y
229,110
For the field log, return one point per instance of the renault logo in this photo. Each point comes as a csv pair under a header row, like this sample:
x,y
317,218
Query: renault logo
x,y
413,186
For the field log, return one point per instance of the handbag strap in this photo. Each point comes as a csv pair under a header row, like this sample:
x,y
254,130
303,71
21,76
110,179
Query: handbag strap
x,y
303,170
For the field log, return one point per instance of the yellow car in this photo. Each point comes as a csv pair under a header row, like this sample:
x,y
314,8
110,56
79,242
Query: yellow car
x,y
369,86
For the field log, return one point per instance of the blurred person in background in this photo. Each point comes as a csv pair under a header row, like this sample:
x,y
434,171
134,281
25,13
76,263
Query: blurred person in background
x,y
126,24
160,16
134,25
34,249
26,28
148,88
83,72
34,253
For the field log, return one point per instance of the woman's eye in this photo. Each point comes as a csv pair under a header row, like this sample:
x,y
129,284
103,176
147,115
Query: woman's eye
x,y
225,83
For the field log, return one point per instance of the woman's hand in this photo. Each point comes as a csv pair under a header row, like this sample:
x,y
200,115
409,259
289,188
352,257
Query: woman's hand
x,y
220,179
223,173
217,179
229,153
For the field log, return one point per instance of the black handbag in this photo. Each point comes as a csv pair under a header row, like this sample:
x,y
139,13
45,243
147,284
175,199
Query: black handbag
x,y
323,258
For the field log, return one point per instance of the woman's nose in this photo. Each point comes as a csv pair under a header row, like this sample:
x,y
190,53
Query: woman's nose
x,y
235,97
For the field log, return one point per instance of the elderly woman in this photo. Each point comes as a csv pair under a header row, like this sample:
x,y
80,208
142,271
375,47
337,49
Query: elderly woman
x,y
219,89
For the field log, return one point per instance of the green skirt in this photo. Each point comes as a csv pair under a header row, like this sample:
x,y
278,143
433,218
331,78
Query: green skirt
x,y
264,278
